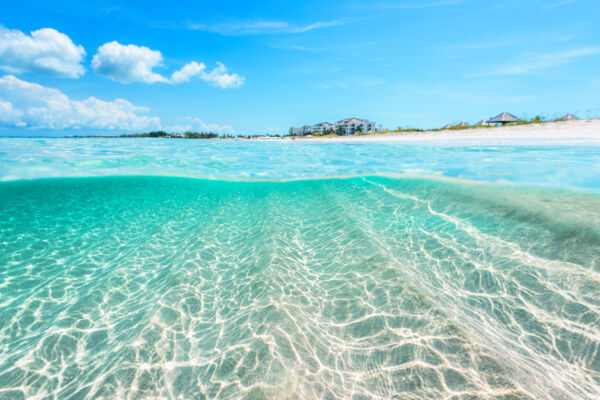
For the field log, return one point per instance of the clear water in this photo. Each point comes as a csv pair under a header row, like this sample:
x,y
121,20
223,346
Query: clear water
x,y
367,287
535,163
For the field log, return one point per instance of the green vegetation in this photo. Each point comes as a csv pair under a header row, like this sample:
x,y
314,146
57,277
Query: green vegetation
x,y
328,133
538,119
163,134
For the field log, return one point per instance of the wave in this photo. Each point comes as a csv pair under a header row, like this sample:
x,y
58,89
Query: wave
x,y
361,287
552,165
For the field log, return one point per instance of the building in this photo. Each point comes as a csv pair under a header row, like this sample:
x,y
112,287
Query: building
x,y
350,126
305,130
483,122
347,126
504,118
323,127
568,117
301,131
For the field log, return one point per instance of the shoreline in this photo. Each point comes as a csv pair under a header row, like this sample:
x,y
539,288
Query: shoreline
x,y
584,130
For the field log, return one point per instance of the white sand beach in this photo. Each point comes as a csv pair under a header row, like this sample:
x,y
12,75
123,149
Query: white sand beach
x,y
584,131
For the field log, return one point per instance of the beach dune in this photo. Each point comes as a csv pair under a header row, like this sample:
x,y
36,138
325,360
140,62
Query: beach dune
x,y
585,130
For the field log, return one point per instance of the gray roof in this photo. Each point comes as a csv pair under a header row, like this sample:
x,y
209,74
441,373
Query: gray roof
x,y
483,122
504,117
569,117
354,120
447,126
463,124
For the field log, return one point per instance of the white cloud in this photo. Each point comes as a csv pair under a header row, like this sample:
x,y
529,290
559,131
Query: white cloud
x,y
188,72
27,104
127,63
196,124
220,78
542,62
9,115
131,63
262,27
403,5
559,4
45,51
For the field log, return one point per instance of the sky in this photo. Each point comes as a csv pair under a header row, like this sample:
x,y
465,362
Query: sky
x,y
259,67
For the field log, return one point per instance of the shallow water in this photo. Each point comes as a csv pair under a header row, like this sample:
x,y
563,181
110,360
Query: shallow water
x,y
361,288
531,162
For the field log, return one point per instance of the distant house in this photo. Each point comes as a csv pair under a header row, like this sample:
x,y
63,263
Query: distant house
x,y
350,126
447,126
504,118
568,117
323,127
462,125
347,126
484,122
300,131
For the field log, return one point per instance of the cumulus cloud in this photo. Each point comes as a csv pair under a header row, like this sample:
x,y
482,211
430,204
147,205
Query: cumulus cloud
x,y
9,115
196,124
44,51
127,63
217,77
188,72
131,63
220,78
27,104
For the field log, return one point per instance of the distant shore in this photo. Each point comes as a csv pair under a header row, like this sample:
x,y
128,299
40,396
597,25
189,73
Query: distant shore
x,y
585,130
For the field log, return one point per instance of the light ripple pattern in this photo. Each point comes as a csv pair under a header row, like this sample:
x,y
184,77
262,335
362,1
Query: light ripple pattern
x,y
364,288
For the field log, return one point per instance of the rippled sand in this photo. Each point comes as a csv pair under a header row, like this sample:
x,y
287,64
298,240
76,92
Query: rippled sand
x,y
363,288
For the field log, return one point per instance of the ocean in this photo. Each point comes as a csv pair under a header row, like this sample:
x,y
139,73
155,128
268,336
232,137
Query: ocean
x,y
192,269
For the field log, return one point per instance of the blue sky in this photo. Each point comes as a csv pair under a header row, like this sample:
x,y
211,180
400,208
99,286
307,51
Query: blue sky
x,y
260,67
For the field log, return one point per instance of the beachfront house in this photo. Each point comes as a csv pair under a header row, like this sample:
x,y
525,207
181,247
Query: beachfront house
x,y
484,122
301,131
323,127
504,118
568,117
348,126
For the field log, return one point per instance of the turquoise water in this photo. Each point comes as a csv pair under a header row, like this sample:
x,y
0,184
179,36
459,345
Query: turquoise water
x,y
574,164
483,286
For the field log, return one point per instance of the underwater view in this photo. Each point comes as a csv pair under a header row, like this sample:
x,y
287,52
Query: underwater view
x,y
147,269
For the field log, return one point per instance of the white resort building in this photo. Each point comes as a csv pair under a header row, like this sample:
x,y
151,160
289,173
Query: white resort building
x,y
348,126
